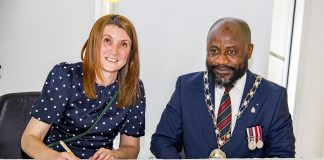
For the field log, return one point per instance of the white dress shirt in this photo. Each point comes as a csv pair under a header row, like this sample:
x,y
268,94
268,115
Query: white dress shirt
x,y
235,93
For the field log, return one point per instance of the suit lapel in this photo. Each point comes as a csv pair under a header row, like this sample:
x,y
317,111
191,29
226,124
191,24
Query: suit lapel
x,y
203,113
246,120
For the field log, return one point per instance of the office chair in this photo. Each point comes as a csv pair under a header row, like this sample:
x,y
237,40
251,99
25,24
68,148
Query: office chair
x,y
14,116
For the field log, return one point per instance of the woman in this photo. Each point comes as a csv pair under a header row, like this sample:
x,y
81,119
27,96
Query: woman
x,y
74,96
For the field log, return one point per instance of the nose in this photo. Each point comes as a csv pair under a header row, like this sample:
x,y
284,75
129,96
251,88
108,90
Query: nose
x,y
113,49
223,59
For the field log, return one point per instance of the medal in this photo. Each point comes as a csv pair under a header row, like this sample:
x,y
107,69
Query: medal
x,y
217,153
259,144
252,145
251,138
259,137
254,136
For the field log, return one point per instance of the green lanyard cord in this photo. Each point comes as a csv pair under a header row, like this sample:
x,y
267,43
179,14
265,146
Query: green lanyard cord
x,y
93,125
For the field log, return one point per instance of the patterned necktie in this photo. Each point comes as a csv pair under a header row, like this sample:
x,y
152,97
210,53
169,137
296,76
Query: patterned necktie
x,y
224,118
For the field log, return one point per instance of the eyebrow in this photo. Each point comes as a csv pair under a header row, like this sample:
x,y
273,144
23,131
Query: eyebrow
x,y
213,46
125,40
229,47
232,47
107,35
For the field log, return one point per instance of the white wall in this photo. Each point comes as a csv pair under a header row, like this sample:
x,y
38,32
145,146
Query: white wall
x,y
172,36
37,34
309,97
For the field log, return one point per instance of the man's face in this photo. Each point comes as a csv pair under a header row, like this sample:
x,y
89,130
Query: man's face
x,y
227,54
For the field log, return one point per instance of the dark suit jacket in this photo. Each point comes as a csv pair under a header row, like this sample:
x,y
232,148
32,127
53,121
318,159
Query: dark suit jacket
x,y
186,123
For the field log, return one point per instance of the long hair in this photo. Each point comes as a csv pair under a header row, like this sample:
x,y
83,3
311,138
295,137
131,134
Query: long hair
x,y
128,76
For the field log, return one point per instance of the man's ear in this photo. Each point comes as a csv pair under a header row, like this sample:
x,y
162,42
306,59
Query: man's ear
x,y
250,50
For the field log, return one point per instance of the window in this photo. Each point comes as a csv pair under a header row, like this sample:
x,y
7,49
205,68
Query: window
x,y
280,47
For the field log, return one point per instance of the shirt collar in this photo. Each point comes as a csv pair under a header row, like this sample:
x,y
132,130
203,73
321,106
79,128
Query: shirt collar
x,y
240,83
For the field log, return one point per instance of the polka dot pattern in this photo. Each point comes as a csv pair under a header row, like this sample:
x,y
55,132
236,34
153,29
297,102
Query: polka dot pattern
x,y
64,105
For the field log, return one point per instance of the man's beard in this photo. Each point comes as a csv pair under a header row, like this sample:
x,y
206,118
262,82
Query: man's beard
x,y
237,73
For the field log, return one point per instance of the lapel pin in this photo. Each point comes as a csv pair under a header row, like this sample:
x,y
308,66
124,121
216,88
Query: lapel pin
x,y
253,110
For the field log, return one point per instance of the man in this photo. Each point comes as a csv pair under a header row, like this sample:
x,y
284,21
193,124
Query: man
x,y
227,111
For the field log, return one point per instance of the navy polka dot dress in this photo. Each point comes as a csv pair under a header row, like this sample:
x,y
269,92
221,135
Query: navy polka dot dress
x,y
64,105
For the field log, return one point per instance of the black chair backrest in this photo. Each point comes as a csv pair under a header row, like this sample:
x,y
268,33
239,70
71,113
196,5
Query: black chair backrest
x,y
14,116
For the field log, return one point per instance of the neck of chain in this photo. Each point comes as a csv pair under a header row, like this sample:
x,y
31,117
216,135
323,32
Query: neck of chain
x,y
244,105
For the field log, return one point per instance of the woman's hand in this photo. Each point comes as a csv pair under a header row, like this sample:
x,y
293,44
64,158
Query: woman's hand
x,y
61,156
128,149
104,154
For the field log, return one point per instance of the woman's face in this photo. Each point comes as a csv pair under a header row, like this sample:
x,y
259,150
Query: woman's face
x,y
114,49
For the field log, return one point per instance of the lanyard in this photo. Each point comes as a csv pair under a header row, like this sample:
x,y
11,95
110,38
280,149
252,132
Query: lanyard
x,y
93,125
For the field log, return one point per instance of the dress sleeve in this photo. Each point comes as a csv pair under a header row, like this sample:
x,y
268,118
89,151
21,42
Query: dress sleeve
x,y
54,96
135,120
